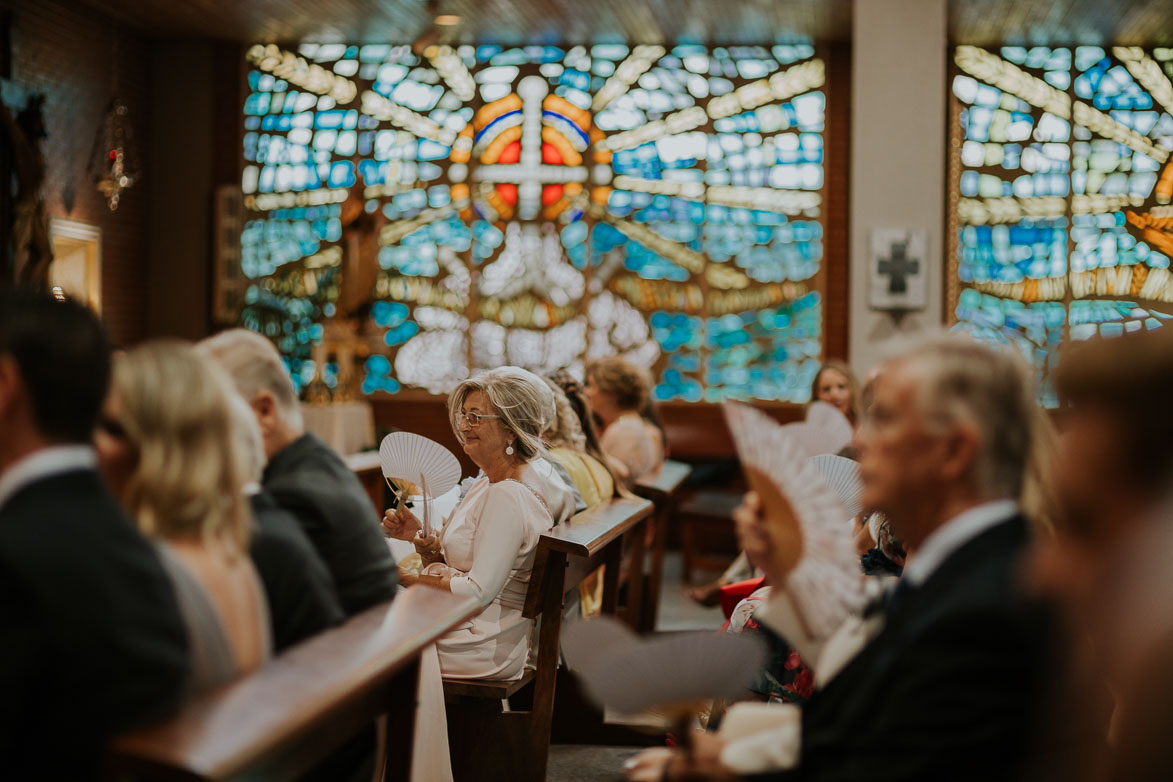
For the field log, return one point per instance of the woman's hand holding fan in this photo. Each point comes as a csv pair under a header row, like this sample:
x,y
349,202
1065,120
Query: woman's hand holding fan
x,y
795,525
773,544
401,524
428,548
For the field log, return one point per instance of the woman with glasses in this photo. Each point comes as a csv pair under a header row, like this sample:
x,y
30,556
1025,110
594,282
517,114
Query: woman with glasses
x,y
486,549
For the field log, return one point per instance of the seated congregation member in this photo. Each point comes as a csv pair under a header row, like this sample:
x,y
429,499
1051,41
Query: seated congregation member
x,y
618,390
567,444
91,640
836,385
165,448
953,683
487,548
306,477
297,584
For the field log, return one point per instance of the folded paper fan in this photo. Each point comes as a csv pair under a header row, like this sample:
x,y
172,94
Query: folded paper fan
x,y
804,518
622,671
411,457
825,430
842,475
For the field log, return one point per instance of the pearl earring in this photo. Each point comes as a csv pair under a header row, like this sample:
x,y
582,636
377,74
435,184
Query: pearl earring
x,y
509,450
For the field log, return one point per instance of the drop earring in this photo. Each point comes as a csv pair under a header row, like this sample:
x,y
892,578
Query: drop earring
x,y
509,449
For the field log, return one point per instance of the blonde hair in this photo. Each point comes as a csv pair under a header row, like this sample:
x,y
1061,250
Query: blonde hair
x,y
566,429
622,379
521,398
175,411
852,385
991,389
254,365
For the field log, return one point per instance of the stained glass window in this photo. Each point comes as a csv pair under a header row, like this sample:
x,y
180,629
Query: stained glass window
x,y
1061,180
538,206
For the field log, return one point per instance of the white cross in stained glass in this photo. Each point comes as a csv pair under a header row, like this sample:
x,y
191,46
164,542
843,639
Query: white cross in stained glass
x,y
898,266
530,174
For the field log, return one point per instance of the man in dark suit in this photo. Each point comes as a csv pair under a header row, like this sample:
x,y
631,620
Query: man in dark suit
x,y
299,588
306,477
952,686
91,641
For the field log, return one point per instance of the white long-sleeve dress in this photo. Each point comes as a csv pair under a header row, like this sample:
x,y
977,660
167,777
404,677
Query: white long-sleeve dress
x,y
489,547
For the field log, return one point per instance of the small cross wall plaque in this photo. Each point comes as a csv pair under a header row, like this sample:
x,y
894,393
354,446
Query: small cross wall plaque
x,y
898,279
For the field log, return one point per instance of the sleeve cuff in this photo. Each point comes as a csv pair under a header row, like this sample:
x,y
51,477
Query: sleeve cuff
x,y
761,737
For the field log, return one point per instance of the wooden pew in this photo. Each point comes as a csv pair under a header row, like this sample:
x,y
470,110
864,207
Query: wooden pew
x,y
369,471
277,722
488,743
662,488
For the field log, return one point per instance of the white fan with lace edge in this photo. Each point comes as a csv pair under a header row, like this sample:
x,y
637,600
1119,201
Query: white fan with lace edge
x,y
825,430
826,584
622,671
405,456
842,475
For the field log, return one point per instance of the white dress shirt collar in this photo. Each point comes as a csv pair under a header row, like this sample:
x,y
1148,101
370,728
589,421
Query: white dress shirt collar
x,y
45,463
952,535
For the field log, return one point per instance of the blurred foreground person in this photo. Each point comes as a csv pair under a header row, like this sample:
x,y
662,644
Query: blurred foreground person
x,y
952,683
1109,562
165,447
91,641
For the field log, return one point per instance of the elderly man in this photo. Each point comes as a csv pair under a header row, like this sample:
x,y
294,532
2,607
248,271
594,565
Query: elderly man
x,y
950,687
306,477
91,641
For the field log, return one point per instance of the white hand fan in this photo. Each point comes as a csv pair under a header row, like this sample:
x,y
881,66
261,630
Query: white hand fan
x,y
842,475
411,457
826,583
624,672
825,430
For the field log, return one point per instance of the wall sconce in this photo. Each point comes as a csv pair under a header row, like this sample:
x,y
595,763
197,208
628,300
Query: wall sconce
x,y
115,163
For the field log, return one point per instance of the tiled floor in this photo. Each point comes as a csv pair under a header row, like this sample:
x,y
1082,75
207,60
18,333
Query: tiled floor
x,y
587,764
677,612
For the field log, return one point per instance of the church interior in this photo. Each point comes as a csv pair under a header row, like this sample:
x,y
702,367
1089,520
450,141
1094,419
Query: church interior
x,y
471,390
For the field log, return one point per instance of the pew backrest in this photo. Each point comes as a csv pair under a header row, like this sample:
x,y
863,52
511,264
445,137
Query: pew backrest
x,y
664,482
663,488
276,722
583,542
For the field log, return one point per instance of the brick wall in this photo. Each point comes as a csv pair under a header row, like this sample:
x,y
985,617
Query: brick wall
x,y
65,51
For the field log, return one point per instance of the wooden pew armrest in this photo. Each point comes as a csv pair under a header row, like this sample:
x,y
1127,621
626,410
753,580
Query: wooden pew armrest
x,y
220,733
664,482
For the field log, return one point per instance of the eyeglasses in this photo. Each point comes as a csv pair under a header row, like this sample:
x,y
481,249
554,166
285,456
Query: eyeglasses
x,y
472,419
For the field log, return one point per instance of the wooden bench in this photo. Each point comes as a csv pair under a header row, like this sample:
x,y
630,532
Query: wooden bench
x,y
662,488
277,722
488,743
707,517
369,471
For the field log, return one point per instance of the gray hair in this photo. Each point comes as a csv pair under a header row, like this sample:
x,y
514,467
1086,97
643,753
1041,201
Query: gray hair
x,y
991,389
247,442
566,429
254,365
522,399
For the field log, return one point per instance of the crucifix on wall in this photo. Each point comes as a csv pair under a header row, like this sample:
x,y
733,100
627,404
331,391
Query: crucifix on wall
x,y
897,269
